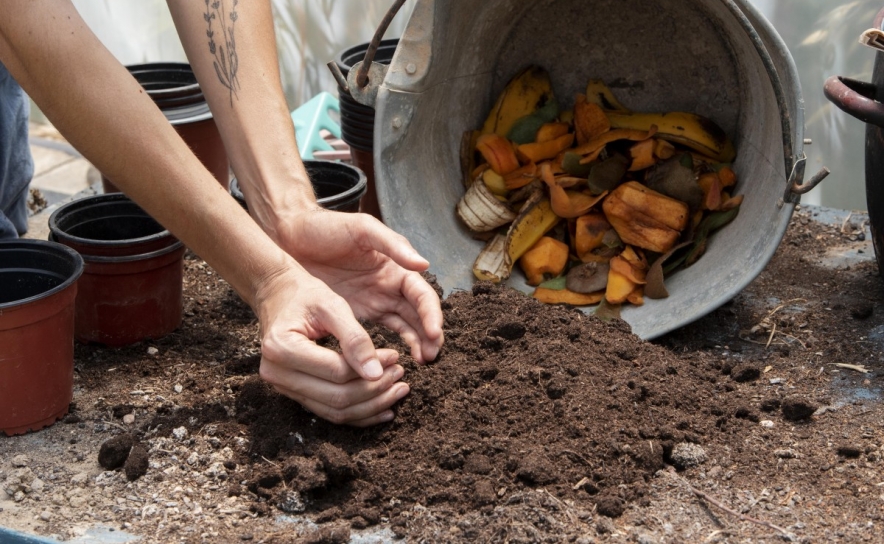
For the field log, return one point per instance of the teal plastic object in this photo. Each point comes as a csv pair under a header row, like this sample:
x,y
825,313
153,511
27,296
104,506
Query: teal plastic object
x,y
310,118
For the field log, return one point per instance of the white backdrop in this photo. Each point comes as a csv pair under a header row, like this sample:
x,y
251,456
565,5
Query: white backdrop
x,y
821,34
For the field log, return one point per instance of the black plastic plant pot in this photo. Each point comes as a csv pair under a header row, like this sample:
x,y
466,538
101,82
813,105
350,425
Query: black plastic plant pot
x,y
357,120
109,224
338,186
38,286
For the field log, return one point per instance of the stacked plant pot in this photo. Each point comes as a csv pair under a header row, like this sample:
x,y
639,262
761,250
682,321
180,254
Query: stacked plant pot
x,y
357,120
175,90
131,289
338,186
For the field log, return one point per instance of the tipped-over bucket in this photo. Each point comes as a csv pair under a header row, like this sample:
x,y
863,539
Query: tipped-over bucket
x,y
717,58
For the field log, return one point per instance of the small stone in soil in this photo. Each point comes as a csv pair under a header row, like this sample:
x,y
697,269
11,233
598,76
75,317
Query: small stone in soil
x,y
687,455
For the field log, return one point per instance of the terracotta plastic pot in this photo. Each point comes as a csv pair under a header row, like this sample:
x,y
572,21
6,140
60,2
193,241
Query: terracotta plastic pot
x,y
38,285
131,289
338,186
357,120
175,90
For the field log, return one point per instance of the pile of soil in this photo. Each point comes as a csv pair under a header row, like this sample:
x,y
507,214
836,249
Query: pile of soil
x,y
536,423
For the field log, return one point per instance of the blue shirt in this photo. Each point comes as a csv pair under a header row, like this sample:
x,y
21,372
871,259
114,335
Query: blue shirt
x,y
16,164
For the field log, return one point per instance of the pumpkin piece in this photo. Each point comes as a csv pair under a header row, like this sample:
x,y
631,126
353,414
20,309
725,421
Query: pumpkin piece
x,y
619,287
663,150
538,152
498,153
589,232
711,185
642,155
731,203
638,229
669,211
624,267
545,260
635,259
612,136
590,120
521,177
564,296
637,296
551,131
566,204
727,176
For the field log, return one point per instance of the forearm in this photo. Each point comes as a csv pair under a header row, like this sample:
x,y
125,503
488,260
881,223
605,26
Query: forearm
x,y
105,114
232,49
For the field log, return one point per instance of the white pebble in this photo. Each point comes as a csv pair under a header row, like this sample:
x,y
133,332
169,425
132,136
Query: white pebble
x,y
180,433
20,461
129,419
767,423
152,350
178,388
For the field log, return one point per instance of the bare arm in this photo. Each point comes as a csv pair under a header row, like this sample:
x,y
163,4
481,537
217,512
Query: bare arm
x,y
232,49
107,116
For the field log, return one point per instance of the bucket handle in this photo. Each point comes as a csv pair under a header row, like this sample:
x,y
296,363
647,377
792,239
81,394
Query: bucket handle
x,y
358,86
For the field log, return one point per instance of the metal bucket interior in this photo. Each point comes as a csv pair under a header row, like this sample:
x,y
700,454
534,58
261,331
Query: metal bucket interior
x,y
455,57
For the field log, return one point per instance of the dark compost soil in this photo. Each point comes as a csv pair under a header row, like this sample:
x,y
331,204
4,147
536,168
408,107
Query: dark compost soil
x,y
536,423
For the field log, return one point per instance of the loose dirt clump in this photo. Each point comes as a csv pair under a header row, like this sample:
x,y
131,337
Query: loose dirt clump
x,y
536,423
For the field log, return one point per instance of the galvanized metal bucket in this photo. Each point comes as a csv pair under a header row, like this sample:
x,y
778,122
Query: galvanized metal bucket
x,y
717,58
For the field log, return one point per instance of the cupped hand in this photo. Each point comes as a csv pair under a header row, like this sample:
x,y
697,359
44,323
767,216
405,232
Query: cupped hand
x,y
373,268
356,387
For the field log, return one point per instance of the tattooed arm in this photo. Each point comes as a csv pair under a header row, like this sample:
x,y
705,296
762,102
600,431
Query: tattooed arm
x,y
107,116
232,49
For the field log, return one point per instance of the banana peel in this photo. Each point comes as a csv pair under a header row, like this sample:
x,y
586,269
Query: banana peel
x,y
495,261
525,93
481,211
689,129
598,93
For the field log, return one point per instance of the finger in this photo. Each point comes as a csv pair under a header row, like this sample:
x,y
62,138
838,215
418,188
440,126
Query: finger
x,y
305,388
408,334
423,297
371,409
359,351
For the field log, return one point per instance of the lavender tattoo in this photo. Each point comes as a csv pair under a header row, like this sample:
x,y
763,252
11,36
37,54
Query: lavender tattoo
x,y
226,60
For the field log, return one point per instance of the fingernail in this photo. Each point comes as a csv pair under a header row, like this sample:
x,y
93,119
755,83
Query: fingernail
x,y
387,416
402,391
398,372
373,369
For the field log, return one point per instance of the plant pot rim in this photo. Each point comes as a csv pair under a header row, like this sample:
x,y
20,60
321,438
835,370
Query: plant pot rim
x,y
107,259
61,236
44,246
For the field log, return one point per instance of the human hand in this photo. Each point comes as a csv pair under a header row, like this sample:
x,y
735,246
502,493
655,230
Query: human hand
x,y
373,268
357,387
